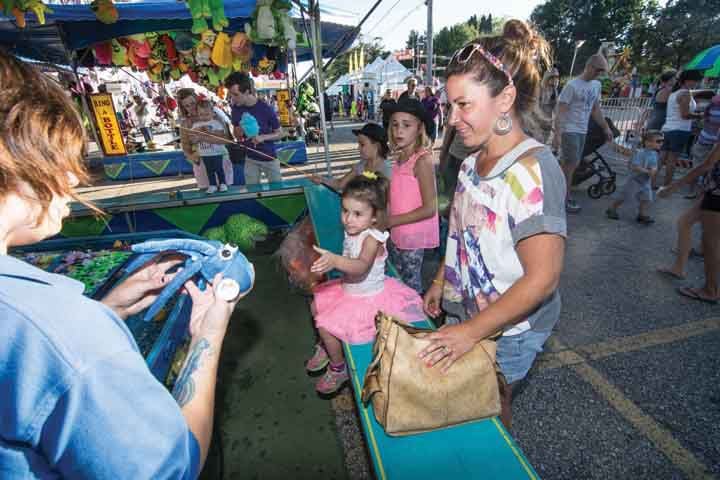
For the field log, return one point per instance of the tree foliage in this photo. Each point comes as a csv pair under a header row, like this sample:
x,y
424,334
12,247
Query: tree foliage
x,y
659,37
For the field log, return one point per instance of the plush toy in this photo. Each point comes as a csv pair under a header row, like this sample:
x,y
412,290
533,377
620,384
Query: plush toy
x,y
241,47
207,258
221,52
202,54
266,66
171,54
262,29
249,125
103,52
240,230
119,53
18,9
184,43
288,36
105,11
217,12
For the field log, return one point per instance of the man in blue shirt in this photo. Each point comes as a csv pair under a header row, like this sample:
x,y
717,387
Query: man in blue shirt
x,y
260,158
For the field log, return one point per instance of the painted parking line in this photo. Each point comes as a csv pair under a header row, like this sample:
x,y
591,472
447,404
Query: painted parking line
x,y
565,357
663,440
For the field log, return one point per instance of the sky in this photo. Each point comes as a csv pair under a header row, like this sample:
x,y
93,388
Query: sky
x,y
393,19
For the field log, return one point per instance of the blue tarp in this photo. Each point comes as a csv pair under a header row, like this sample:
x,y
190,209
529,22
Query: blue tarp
x,y
75,27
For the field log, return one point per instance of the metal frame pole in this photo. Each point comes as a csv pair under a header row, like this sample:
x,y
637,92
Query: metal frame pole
x,y
317,61
429,44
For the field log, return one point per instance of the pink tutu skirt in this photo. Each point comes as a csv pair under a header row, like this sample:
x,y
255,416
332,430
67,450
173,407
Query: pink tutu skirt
x,y
351,318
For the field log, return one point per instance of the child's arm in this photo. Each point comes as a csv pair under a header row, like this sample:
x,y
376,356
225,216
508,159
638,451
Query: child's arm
x,y
355,267
426,179
623,150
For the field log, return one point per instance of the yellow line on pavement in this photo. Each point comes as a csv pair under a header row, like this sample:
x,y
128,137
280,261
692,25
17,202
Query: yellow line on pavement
x,y
596,351
645,424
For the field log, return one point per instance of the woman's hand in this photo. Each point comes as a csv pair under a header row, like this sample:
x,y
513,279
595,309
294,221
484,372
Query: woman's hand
x,y
446,346
210,315
325,263
140,289
316,180
432,300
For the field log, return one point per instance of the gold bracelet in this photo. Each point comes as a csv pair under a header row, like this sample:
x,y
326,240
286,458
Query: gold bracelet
x,y
438,282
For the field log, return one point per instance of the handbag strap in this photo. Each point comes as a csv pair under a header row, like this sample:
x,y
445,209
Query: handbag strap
x,y
370,383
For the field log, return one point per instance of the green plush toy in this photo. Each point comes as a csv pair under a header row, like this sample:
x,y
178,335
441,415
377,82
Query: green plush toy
x,y
244,231
215,233
217,12
240,229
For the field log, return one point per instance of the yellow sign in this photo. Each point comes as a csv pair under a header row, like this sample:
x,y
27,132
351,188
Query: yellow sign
x,y
107,124
283,98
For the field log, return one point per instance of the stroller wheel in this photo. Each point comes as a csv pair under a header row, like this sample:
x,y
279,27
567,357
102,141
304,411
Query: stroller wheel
x,y
595,191
608,188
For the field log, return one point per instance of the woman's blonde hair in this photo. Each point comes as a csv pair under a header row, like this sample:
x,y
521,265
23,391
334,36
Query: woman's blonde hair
x,y
42,139
421,142
181,95
524,53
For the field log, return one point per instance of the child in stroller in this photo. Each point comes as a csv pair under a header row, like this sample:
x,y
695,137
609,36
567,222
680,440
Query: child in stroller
x,y
594,164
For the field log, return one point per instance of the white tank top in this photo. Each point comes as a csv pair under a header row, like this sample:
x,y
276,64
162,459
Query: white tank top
x,y
375,279
674,120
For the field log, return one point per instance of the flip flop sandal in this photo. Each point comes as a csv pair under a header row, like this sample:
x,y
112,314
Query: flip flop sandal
x,y
669,273
693,293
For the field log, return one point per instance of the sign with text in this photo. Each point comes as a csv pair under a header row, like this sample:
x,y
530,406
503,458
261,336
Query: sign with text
x,y
107,124
283,97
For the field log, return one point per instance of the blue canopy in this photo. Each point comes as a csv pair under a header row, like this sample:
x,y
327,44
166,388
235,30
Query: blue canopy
x,y
75,27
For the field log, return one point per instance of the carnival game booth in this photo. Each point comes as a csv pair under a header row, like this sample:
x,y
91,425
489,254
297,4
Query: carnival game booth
x,y
166,41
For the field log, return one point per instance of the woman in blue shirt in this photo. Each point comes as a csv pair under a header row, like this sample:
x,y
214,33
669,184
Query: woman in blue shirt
x,y
78,400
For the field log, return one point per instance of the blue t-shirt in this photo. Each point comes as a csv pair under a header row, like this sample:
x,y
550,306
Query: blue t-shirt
x,y
267,120
645,159
78,400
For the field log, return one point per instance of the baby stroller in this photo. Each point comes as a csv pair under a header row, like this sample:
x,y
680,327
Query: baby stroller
x,y
594,164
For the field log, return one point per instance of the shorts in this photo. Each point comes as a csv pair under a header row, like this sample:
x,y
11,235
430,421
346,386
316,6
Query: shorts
x,y
676,141
517,353
700,152
571,147
710,203
640,190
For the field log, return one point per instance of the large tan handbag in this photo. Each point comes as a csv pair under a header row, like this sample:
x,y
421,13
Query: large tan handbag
x,y
409,397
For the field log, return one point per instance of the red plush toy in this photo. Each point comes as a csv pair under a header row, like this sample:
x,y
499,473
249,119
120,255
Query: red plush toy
x,y
297,256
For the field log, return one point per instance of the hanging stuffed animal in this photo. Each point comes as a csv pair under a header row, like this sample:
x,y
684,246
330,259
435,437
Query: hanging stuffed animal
x,y
217,12
18,9
119,53
139,51
197,12
105,11
262,29
103,52
221,52
241,47
202,54
171,53
288,35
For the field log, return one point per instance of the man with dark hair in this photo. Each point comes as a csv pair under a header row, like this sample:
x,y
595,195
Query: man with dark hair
x,y
260,158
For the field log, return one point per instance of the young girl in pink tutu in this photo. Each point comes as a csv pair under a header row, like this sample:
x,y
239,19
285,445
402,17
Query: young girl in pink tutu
x,y
345,309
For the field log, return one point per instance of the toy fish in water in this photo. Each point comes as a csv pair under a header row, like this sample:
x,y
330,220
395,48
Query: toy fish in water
x,y
208,258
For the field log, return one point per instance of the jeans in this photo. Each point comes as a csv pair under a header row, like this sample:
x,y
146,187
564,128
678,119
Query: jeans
x,y
214,168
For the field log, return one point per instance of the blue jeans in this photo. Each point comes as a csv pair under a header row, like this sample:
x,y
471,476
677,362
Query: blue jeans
x,y
213,165
516,354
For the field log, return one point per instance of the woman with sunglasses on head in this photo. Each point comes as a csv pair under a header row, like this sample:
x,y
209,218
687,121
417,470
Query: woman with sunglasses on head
x,y
507,230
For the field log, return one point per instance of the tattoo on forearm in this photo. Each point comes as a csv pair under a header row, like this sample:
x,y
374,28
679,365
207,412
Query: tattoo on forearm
x,y
184,389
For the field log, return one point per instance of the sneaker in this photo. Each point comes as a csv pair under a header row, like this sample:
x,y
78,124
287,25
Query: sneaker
x,y
211,189
645,220
318,361
332,381
223,187
571,206
612,214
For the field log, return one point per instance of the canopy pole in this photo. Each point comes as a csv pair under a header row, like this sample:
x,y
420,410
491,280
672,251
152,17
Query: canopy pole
x,y
317,60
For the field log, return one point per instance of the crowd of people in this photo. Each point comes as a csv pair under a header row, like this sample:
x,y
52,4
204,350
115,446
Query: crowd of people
x,y
71,397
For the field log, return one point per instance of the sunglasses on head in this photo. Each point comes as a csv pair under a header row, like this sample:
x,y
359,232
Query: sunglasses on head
x,y
465,54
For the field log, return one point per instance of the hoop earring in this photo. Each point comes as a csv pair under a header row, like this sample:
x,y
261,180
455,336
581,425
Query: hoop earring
x,y
503,125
